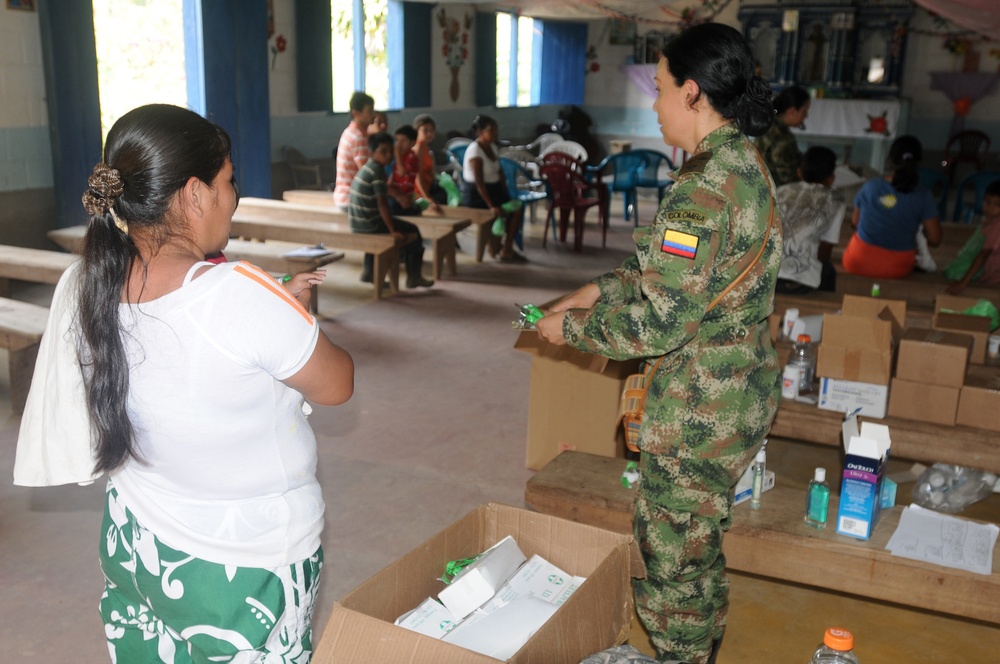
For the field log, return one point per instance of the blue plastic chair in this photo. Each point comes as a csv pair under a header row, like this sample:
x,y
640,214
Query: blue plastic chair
x,y
517,177
650,177
625,169
936,182
978,181
456,155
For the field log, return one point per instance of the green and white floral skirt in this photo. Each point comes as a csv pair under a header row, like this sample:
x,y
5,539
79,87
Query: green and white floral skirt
x,y
163,605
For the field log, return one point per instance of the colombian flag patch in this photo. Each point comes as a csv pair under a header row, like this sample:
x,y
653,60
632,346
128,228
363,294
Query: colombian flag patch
x,y
680,244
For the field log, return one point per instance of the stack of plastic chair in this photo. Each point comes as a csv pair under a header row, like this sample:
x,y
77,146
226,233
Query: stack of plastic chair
x,y
965,146
567,186
625,170
572,148
977,182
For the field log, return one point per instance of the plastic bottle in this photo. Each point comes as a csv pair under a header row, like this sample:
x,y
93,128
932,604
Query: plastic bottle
x,y
804,357
791,316
837,648
876,290
817,500
757,488
790,382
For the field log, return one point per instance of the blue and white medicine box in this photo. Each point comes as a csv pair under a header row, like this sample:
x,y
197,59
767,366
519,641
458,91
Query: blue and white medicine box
x,y
866,454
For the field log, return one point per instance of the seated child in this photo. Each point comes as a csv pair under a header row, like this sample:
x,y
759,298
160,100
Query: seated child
x,y
811,216
426,184
985,267
402,180
369,212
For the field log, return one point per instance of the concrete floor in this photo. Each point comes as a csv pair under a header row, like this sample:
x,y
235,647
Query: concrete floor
x,y
436,427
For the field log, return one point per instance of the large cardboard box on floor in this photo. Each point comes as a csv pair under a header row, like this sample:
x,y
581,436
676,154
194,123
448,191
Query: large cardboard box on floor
x,y
573,400
596,617
978,327
858,343
979,402
935,357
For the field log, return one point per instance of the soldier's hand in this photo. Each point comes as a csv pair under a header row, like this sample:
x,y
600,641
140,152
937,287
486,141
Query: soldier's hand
x,y
550,328
583,298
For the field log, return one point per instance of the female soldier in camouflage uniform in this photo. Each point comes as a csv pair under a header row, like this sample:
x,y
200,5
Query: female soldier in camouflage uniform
x,y
778,146
712,399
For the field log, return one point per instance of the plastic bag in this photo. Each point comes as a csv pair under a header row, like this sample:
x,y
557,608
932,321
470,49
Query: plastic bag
x,y
950,489
957,269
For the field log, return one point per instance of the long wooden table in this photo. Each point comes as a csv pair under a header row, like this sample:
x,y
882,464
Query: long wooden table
x,y
440,229
774,542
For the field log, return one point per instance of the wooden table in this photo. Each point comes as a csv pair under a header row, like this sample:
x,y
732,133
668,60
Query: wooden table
x,y
774,542
440,229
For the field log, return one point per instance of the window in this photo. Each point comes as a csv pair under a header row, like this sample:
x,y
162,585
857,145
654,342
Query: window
x,y
371,65
515,55
140,55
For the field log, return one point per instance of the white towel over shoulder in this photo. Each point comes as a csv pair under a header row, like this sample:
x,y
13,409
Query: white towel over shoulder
x,y
54,445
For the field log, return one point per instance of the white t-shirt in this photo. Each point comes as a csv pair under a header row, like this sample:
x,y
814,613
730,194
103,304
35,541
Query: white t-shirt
x,y
810,213
230,460
491,167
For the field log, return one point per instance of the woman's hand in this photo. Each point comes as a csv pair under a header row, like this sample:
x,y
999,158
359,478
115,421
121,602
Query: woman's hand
x,y
582,298
300,285
550,328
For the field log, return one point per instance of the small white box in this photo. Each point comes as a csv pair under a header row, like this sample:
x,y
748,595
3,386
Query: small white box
x,y
847,396
539,578
502,633
478,582
430,619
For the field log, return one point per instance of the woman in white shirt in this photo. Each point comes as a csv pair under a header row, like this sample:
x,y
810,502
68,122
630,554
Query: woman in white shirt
x,y
195,377
484,185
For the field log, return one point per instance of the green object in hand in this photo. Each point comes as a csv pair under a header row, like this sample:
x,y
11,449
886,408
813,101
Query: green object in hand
x,y
448,184
499,226
531,313
513,205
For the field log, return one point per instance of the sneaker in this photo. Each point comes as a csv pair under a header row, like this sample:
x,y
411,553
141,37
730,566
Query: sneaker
x,y
419,282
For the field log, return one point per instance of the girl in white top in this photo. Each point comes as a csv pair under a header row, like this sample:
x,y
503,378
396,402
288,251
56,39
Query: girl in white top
x,y
195,377
484,185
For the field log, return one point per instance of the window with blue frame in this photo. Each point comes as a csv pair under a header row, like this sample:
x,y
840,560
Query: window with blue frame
x,y
539,61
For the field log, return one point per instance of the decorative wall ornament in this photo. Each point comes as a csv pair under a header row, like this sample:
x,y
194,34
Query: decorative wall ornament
x,y
454,45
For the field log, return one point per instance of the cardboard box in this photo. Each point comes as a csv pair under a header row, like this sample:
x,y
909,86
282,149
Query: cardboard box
x,y
978,327
935,357
866,451
911,400
858,343
979,403
596,617
573,401
846,396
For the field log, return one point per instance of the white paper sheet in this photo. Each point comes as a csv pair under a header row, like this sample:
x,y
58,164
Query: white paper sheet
x,y
307,252
946,540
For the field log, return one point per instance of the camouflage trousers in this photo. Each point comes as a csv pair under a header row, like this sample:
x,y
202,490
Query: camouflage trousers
x,y
679,525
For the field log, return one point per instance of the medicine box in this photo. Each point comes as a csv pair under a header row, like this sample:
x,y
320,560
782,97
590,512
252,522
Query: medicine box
x,y
847,396
866,453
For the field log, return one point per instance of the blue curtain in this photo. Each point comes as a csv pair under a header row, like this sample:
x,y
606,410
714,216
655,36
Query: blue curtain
x,y
314,67
410,57
563,62
485,36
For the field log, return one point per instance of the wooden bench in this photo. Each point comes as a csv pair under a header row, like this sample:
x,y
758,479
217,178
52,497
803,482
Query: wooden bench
x,y
272,257
21,328
70,238
774,542
919,289
441,231
481,219
34,265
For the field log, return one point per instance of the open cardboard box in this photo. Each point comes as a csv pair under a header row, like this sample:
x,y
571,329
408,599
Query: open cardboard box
x,y
573,400
978,327
596,617
858,343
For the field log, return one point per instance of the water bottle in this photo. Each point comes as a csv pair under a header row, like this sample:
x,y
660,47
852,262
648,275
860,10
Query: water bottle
x,y
817,500
837,648
804,357
757,487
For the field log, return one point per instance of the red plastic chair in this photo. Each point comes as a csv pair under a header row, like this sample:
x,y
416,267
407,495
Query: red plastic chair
x,y
567,188
969,146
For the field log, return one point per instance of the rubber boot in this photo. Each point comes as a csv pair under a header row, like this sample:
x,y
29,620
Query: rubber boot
x,y
414,264
367,267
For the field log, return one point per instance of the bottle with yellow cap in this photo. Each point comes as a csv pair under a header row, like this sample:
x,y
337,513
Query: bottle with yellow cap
x,y
837,648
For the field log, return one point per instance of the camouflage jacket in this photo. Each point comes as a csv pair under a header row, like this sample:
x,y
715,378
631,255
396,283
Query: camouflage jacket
x,y
717,388
781,153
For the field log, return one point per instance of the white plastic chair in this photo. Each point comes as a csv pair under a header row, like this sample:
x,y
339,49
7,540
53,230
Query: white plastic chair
x,y
543,141
572,148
